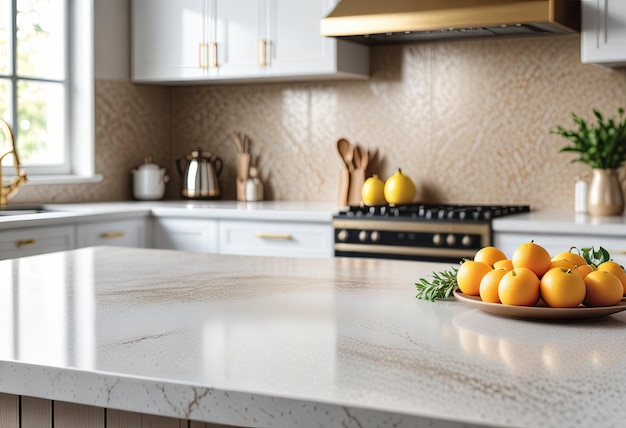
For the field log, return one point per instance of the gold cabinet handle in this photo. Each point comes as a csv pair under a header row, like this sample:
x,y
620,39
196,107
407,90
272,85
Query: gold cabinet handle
x,y
201,55
112,235
262,62
213,63
25,243
281,236
264,52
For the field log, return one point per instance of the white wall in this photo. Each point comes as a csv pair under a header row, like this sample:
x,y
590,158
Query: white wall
x,y
112,39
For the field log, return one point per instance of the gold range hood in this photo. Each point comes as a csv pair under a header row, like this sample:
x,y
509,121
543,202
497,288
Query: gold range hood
x,y
398,21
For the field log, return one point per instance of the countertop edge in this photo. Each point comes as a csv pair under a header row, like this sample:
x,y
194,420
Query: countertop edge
x,y
196,402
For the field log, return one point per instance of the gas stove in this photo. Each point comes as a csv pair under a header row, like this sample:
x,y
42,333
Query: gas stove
x,y
428,232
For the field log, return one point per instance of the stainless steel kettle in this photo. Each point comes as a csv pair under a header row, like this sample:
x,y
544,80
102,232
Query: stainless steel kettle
x,y
200,171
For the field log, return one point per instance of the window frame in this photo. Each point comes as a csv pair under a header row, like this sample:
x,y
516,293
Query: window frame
x,y
80,117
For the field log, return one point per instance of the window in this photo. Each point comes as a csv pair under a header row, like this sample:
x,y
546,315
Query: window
x,y
46,86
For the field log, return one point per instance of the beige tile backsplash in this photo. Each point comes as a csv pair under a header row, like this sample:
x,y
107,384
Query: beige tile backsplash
x,y
468,120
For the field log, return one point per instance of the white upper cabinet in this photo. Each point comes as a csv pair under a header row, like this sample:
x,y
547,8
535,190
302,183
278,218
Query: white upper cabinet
x,y
293,42
212,41
169,40
235,29
603,38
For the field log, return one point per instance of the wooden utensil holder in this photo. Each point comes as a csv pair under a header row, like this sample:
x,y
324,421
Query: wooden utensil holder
x,y
243,168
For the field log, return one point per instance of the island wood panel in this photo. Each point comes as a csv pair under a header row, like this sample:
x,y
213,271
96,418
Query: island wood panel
x,y
42,413
70,415
35,413
9,411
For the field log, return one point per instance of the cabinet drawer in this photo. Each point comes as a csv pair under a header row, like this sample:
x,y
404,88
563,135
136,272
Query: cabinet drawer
x,y
267,238
197,235
36,240
120,233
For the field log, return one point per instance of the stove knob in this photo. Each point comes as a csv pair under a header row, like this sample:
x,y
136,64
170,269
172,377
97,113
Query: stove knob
x,y
437,240
466,241
343,235
375,236
362,236
450,240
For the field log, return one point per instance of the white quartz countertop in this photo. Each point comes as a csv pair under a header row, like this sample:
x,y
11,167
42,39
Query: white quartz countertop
x,y
257,341
561,222
269,210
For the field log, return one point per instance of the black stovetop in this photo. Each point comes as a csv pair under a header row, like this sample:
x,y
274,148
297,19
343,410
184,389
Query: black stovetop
x,y
433,212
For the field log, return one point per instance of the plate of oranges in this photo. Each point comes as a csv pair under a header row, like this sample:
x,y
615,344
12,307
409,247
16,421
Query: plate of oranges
x,y
534,285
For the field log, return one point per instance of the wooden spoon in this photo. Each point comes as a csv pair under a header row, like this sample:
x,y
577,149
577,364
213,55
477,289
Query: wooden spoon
x,y
365,160
346,151
357,157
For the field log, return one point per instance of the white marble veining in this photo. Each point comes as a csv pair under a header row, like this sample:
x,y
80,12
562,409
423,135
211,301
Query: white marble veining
x,y
260,341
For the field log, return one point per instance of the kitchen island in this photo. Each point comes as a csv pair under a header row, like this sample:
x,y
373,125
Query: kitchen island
x,y
260,341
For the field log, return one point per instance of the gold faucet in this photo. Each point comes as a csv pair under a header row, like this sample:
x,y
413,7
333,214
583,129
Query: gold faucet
x,y
8,191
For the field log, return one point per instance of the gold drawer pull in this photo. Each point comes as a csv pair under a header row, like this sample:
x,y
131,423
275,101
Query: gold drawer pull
x,y
265,235
111,235
25,242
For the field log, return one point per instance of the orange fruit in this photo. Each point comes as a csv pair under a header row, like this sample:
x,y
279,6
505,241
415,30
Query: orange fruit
x,y
519,287
564,263
489,255
469,276
576,259
583,270
489,286
506,264
533,257
617,270
561,288
603,289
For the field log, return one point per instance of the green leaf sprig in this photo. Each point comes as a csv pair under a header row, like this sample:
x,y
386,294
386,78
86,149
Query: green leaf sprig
x,y
601,145
595,257
439,287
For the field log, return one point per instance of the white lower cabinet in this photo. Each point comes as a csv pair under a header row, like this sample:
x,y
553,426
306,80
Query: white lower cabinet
x,y
120,233
36,240
199,235
556,243
272,238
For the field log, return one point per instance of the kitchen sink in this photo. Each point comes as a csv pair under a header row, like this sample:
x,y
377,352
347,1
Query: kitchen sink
x,y
23,210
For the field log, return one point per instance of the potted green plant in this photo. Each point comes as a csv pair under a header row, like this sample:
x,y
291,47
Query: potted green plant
x,y
602,146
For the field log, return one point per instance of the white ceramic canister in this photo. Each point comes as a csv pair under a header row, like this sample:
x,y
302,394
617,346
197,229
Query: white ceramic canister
x,y
254,187
149,181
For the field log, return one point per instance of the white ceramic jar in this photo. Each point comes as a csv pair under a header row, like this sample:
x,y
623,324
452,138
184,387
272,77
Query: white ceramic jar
x,y
149,181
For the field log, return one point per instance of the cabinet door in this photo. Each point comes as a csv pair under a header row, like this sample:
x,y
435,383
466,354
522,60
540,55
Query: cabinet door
x,y
121,233
36,240
296,44
169,40
186,234
603,38
236,27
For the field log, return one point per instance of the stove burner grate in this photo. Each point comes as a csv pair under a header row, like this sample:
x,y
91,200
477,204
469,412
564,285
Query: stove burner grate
x,y
435,211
